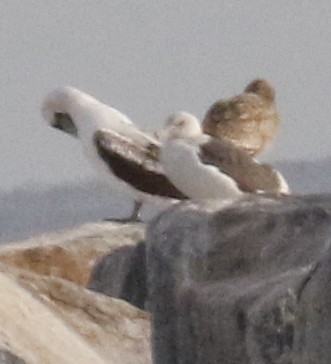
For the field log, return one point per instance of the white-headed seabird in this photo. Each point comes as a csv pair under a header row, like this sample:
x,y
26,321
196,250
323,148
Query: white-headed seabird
x,y
112,143
249,120
205,168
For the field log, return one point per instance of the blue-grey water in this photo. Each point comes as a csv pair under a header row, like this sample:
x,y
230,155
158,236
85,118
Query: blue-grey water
x,y
30,211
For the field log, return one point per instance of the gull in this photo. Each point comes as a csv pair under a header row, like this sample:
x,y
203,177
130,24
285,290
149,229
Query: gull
x,y
116,148
206,168
249,120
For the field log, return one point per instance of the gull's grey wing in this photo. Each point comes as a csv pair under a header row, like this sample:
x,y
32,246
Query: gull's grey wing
x,y
135,164
235,162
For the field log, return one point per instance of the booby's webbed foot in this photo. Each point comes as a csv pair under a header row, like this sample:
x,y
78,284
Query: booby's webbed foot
x,y
124,220
134,217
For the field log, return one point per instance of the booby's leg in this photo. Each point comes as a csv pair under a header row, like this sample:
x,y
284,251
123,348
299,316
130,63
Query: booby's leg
x,y
134,217
135,214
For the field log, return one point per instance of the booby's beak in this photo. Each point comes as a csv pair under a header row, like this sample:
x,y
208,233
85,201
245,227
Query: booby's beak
x,y
64,122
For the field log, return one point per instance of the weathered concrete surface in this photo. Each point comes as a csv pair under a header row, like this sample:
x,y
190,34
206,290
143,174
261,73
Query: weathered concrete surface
x,y
115,330
71,254
249,283
47,319
122,274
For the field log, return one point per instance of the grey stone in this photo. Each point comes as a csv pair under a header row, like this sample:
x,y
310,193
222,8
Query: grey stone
x,y
122,274
249,283
8,358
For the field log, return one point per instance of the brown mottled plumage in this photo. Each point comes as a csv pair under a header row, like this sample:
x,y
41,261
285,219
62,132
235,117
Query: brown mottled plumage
x,y
249,120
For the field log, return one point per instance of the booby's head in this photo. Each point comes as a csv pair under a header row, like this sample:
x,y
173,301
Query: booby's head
x,y
180,125
56,106
262,88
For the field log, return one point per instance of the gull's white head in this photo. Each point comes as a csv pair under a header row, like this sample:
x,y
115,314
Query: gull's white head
x,y
180,125
56,108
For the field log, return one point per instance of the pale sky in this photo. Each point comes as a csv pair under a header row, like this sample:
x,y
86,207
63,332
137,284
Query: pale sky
x,y
150,58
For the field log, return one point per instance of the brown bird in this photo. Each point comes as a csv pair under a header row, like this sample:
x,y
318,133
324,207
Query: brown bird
x,y
249,120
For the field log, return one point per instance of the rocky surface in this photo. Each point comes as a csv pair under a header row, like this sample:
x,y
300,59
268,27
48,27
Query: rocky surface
x,y
46,316
248,283
71,254
7,357
122,274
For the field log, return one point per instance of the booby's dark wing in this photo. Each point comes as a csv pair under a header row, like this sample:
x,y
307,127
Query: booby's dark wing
x,y
249,175
135,164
